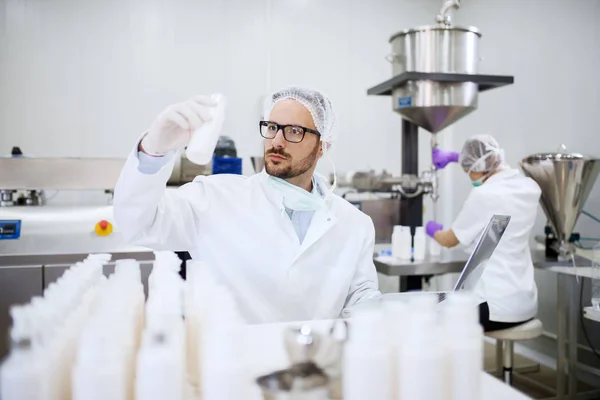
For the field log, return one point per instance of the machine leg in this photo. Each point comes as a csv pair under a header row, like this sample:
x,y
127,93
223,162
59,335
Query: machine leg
x,y
561,339
412,213
572,338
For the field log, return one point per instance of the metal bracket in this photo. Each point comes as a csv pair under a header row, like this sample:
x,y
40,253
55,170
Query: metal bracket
x,y
485,82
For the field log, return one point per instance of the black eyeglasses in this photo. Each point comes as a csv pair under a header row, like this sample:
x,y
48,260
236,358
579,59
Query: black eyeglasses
x,y
291,133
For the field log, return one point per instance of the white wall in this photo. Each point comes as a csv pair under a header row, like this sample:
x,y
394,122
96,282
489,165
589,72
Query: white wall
x,y
90,75
553,50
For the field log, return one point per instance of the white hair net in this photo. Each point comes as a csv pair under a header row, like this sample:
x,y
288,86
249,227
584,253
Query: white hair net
x,y
482,153
316,103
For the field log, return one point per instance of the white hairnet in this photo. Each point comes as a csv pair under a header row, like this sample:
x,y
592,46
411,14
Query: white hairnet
x,y
481,153
316,103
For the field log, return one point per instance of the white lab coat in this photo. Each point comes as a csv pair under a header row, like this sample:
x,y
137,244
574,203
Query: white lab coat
x,y
507,283
239,226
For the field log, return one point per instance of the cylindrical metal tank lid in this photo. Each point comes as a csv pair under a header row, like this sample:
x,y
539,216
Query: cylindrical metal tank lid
x,y
436,28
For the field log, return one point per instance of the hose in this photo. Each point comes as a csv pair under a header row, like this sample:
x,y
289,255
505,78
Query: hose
x,y
587,214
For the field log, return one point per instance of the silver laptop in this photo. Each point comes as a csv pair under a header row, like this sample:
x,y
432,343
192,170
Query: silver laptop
x,y
487,243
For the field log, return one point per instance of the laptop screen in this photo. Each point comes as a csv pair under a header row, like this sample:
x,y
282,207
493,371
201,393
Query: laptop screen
x,y
484,249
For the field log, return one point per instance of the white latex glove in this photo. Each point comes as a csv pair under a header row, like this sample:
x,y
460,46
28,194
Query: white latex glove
x,y
173,128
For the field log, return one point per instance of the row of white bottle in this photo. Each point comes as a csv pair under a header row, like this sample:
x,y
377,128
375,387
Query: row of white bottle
x,y
44,333
412,352
107,347
213,326
161,360
407,247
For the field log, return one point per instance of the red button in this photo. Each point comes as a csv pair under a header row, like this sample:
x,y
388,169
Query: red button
x,y
103,224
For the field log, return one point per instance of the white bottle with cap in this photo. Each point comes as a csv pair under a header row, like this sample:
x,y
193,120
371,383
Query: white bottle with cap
x,y
421,357
221,354
366,361
420,241
435,249
463,337
401,242
395,314
204,139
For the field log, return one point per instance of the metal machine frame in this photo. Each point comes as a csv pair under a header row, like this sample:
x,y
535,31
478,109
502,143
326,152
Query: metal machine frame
x,y
411,212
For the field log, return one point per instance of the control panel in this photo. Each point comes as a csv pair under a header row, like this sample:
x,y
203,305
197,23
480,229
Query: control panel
x,y
10,229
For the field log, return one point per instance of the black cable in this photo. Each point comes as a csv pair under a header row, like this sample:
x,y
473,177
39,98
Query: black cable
x,y
581,319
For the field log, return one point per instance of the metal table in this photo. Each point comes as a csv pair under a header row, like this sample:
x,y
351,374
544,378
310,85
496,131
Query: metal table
x,y
430,266
568,309
450,261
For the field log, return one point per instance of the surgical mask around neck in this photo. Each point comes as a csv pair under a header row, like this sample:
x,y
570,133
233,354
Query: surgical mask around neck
x,y
295,198
478,182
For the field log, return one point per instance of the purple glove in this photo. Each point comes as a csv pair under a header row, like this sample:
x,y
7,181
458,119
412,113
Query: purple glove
x,y
441,158
432,227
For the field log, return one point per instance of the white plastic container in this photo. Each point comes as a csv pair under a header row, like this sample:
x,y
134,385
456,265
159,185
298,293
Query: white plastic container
x,y
402,242
421,357
395,314
463,339
435,249
204,139
367,371
21,376
160,372
221,350
420,241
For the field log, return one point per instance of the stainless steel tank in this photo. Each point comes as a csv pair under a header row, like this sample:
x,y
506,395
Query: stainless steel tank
x,y
440,48
436,48
566,180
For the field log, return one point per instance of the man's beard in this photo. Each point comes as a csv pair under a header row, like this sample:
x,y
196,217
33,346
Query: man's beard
x,y
293,170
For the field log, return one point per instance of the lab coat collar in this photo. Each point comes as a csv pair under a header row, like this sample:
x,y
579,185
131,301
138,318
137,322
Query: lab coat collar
x,y
277,198
322,220
506,173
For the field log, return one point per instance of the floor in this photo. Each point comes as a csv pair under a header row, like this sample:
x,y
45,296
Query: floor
x,y
545,375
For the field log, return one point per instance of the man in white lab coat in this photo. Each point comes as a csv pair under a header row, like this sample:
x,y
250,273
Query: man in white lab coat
x,y
281,241
507,289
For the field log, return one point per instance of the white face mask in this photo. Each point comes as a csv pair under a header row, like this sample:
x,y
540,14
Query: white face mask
x,y
296,198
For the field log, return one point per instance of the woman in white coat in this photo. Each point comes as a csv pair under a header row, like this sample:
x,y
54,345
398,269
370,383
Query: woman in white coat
x,y
281,241
507,290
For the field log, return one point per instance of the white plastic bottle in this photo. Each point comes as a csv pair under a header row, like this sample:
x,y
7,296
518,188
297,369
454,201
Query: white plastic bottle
x,y
463,337
401,242
420,241
366,361
204,139
160,372
395,314
435,249
421,357
22,374
221,355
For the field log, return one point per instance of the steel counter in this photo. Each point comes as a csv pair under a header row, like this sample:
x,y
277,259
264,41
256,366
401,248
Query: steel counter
x,y
430,266
451,261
